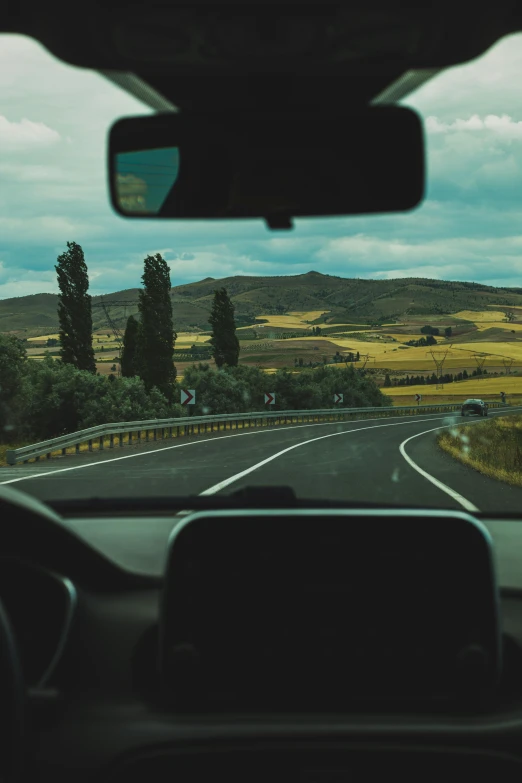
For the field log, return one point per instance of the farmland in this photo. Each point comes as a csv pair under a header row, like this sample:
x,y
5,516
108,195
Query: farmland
x,y
277,341
313,319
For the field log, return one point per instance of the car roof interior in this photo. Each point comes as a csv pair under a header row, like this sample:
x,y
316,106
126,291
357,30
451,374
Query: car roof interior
x,y
85,636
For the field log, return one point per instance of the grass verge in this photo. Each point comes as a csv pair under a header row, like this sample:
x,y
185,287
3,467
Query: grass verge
x,y
4,447
493,448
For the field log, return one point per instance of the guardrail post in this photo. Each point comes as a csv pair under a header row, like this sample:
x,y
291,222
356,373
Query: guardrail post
x,y
77,448
101,443
111,441
120,439
90,445
155,436
147,435
48,455
64,452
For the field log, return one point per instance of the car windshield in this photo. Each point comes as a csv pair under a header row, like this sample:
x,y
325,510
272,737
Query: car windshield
x,y
156,358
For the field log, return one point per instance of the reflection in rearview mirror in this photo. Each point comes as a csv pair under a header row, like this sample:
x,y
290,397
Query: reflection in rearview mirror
x,y
143,179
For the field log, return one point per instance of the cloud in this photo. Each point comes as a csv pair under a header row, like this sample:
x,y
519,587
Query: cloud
x,y
55,189
503,126
25,134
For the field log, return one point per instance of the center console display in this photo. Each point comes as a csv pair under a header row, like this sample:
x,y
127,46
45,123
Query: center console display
x,y
295,610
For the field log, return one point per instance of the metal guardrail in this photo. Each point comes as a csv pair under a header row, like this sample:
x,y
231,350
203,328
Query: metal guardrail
x,y
197,425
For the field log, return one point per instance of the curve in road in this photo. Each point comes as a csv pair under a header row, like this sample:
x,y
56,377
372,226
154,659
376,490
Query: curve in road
x,y
381,461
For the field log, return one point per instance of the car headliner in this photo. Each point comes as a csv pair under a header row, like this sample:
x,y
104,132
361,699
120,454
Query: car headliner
x,y
215,56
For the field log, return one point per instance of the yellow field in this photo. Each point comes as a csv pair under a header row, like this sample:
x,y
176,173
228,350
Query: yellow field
x,y
481,316
506,327
294,320
405,338
187,339
43,338
483,387
512,350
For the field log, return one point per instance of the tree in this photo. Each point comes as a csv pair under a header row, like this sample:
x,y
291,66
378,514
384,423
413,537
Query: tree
x,y
74,309
13,362
129,354
387,380
448,331
156,336
225,345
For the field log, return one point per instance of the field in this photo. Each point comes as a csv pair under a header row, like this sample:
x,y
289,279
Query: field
x,y
295,320
481,317
487,388
482,338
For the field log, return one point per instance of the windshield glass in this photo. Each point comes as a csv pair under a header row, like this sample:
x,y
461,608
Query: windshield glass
x,y
206,357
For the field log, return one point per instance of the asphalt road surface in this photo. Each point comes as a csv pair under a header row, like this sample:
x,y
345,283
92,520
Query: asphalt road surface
x,y
392,461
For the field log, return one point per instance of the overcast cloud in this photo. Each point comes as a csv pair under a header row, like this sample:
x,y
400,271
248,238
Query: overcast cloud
x,y
54,121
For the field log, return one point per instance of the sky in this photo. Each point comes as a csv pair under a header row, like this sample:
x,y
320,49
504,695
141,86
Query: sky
x,y
54,122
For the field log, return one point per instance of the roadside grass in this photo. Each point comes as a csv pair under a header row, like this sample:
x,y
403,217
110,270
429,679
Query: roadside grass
x,y
493,448
4,447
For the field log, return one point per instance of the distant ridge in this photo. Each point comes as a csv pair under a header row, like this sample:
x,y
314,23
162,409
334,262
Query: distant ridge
x,y
342,300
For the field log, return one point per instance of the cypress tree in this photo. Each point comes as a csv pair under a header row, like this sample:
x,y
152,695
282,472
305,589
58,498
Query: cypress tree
x,y
156,334
225,345
74,309
129,358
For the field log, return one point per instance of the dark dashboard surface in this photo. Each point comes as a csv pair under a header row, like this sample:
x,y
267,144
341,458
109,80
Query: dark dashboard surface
x,y
143,547
100,705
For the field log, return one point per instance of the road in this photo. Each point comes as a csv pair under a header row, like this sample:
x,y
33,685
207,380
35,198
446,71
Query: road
x,y
390,461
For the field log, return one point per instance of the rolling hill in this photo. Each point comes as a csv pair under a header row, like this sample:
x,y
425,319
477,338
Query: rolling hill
x,y
339,300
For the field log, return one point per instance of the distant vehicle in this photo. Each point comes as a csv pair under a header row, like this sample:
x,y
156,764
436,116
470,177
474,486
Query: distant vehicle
x,y
474,406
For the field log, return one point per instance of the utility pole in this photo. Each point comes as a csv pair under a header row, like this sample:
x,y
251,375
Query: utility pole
x,y
439,357
106,305
480,359
508,364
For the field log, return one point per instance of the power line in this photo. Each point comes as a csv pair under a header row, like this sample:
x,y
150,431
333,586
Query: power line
x,y
106,305
439,357
480,359
508,364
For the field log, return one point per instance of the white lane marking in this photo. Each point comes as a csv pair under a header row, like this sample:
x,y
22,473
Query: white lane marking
x,y
415,418
464,502
426,417
226,482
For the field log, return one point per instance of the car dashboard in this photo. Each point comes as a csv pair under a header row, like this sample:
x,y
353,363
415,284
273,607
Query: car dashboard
x,y
88,623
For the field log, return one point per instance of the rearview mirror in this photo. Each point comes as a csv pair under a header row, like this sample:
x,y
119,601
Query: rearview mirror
x,y
267,165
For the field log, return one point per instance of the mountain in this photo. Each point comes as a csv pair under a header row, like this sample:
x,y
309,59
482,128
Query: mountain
x,y
342,300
